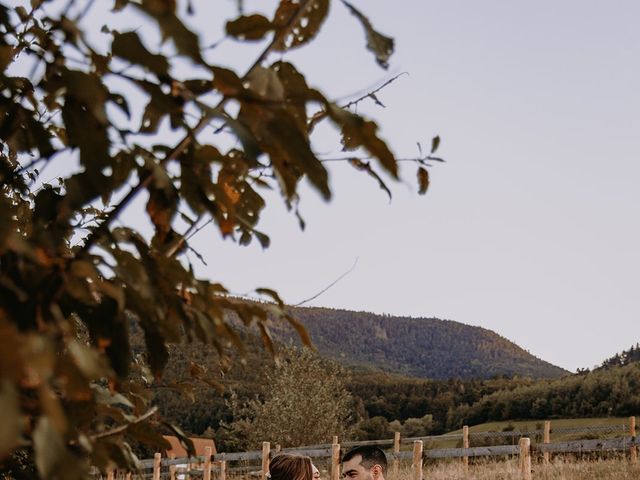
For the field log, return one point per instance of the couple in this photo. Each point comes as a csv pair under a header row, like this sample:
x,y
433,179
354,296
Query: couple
x,y
360,463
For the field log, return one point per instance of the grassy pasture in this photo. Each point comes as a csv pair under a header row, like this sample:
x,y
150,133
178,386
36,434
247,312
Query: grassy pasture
x,y
558,469
530,425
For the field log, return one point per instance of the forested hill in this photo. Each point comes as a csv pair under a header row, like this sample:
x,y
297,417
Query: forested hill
x,y
626,357
420,347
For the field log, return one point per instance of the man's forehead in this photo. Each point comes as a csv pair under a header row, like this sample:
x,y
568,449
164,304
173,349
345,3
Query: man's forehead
x,y
353,463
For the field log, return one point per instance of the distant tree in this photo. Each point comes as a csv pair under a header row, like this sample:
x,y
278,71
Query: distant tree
x,y
304,401
417,427
74,280
375,428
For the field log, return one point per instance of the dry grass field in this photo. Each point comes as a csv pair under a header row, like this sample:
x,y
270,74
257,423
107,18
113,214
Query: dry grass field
x,y
508,470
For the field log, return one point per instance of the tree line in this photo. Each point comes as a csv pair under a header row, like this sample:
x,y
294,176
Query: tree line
x,y
383,402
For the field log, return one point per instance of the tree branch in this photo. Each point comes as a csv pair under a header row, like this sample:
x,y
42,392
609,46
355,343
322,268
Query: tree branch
x,y
330,285
372,94
189,138
122,428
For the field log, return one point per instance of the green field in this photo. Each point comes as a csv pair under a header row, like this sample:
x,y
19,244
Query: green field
x,y
529,425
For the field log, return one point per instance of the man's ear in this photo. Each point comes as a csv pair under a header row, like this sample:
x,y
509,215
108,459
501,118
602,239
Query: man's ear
x,y
376,471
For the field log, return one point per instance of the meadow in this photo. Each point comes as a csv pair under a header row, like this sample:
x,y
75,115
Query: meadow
x,y
558,469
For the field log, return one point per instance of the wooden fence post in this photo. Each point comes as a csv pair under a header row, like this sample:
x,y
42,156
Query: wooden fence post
x,y
223,467
416,466
206,475
172,468
396,451
465,444
632,431
266,447
335,459
157,461
547,439
525,458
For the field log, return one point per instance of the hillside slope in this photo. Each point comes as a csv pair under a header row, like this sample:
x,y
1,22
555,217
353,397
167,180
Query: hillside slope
x,y
611,392
420,347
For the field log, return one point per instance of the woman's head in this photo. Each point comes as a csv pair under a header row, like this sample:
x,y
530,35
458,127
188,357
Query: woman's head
x,y
286,466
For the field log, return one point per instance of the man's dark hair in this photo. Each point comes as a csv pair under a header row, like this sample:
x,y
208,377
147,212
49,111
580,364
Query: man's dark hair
x,y
371,455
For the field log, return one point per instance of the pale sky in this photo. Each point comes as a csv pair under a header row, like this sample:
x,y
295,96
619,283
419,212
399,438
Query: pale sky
x,y
531,227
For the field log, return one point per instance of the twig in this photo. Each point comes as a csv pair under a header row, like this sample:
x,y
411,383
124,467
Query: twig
x,y
372,94
191,231
330,285
84,12
420,160
122,428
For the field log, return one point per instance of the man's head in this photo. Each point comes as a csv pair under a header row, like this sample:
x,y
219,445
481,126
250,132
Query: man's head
x,y
364,463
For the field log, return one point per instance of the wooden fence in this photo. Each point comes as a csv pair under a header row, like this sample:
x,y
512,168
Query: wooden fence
x,y
257,462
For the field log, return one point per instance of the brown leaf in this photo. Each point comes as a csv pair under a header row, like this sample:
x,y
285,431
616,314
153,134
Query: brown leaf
x,y
119,5
435,143
365,166
252,27
296,27
185,40
265,83
226,81
129,46
10,418
288,147
358,132
423,180
380,45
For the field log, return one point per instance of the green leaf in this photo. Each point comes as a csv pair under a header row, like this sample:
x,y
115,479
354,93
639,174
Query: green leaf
x,y
129,47
252,27
380,45
423,180
294,27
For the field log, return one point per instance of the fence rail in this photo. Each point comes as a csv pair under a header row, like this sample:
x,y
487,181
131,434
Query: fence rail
x,y
258,461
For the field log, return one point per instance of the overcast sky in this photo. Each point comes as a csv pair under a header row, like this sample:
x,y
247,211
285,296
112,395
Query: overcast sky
x,y
530,229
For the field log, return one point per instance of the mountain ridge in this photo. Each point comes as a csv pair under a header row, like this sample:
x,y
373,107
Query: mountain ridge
x,y
423,347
